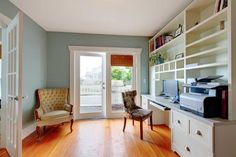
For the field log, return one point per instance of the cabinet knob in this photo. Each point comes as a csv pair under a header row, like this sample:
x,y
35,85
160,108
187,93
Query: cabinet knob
x,y
198,132
187,149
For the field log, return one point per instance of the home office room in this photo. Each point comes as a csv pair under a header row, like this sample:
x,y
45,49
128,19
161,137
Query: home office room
x,y
127,78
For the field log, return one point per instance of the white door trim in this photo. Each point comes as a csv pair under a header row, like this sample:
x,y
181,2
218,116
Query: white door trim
x,y
4,21
136,52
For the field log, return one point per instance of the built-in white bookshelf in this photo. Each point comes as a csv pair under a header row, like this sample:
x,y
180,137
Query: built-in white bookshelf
x,y
206,44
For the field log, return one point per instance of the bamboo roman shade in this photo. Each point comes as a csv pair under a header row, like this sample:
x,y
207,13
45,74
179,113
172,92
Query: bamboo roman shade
x,y
122,60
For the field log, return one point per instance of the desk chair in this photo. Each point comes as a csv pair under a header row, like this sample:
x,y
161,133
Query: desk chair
x,y
134,112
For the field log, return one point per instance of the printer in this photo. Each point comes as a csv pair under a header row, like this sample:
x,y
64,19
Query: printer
x,y
204,98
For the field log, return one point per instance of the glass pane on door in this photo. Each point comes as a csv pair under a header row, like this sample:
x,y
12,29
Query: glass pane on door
x,y
91,84
122,77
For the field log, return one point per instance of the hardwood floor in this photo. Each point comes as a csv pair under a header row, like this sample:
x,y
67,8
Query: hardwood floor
x,y
100,138
3,153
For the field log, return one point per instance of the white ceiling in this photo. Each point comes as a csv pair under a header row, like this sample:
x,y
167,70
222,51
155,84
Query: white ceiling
x,y
116,17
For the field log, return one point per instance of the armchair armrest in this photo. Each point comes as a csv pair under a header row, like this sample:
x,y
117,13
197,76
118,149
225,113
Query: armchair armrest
x,y
38,113
69,108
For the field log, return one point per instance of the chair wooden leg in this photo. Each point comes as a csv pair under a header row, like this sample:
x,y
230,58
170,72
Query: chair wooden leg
x,y
124,124
71,125
38,131
141,129
151,122
44,129
133,122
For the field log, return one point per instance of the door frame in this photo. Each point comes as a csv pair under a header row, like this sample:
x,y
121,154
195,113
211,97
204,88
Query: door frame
x,y
136,52
4,21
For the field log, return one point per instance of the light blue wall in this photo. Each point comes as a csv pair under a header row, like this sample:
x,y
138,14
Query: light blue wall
x,y
58,54
34,66
46,56
34,59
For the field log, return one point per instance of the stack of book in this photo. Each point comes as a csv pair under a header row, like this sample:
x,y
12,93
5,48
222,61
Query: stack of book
x,y
162,40
220,5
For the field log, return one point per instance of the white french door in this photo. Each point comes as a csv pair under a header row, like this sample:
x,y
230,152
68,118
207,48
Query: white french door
x,y
104,96
91,85
14,86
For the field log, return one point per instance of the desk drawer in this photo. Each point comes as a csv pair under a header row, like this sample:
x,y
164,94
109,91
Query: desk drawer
x,y
195,149
202,133
179,140
187,146
180,121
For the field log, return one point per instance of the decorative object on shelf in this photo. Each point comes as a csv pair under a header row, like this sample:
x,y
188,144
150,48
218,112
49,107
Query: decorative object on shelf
x,y
156,59
167,38
225,4
179,31
180,55
152,59
220,5
222,25
160,59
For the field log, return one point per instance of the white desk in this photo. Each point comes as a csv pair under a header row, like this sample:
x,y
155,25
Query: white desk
x,y
192,135
176,107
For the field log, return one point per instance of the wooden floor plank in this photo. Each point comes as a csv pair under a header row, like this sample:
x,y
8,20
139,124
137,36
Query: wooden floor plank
x,y
100,138
4,153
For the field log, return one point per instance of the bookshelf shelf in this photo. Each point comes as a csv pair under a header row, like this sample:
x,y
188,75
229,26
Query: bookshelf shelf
x,y
167,71
170,44
213,38
209,22
209,52
207,66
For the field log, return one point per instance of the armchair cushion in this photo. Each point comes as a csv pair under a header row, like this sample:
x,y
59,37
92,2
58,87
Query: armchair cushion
x,y
55,114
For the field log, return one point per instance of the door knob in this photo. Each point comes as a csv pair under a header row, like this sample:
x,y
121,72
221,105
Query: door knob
x,y
16,98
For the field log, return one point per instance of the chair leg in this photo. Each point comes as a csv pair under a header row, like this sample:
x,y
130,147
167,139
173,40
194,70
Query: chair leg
x,y
124,124
71,125
133,122
38,131
141,129
151,122
44,129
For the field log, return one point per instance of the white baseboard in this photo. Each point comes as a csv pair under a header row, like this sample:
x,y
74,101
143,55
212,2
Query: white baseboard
x,y
28,130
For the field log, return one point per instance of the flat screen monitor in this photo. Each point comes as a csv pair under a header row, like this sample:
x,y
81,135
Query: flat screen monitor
x,y
170,88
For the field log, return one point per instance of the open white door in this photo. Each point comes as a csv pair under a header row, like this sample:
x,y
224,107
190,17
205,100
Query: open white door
x,y
14,86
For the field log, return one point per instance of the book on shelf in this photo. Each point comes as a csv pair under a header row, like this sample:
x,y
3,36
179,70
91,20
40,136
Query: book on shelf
x,y
220,5
151,46
162,40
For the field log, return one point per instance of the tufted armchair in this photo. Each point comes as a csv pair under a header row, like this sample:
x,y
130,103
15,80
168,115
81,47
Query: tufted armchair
x,y
134,112
53,108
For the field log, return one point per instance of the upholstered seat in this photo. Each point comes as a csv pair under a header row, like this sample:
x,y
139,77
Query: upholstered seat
x,y
134,112
140,113
53,107
55,114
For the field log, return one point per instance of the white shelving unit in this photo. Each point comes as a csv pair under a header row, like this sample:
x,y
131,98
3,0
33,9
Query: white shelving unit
x,y
207,44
